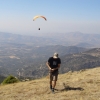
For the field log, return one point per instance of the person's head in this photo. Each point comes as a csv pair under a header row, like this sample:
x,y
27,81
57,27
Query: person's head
x,y
55,55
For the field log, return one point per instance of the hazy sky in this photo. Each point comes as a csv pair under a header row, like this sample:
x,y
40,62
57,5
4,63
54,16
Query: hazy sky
x,y
16,16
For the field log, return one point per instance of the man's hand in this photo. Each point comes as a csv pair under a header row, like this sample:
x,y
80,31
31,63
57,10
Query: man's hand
x,y
51,70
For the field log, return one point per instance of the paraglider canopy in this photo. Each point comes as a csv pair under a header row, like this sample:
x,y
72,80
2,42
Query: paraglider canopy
x,y
39,17
35,17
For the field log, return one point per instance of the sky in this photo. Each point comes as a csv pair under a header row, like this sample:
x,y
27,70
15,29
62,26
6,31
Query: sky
x,y
63,16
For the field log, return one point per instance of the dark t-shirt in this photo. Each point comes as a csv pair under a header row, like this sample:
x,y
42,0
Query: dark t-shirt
x,y
54,62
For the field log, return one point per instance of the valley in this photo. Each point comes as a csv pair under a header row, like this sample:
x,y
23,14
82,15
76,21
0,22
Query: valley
x,y
25,56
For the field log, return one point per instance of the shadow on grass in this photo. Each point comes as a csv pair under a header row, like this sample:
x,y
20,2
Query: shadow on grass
x,y
67,88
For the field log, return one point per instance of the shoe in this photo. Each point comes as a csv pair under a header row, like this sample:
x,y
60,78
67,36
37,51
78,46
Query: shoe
x,y
52,90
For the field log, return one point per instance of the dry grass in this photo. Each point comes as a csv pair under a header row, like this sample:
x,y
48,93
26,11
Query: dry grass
x,y
81,85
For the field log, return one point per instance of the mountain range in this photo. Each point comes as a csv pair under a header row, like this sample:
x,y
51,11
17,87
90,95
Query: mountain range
x,y
25,56
16,59
71,62
67,39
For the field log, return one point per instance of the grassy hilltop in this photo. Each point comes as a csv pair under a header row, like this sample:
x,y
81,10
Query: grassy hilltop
x,y
78,85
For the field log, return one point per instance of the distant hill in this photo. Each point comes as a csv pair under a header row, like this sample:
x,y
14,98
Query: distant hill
x,y
71,62
26,55
14,58
85,45
25,39
66,39
77,85
76,39
83,60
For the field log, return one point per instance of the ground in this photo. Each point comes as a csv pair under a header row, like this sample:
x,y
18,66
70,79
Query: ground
x,y
78,85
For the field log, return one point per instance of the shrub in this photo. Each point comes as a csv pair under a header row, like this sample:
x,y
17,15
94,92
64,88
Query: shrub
x,y
10,79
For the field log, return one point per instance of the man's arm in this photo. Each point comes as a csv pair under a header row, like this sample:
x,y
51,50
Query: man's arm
x,y
51,70
57,67
47,63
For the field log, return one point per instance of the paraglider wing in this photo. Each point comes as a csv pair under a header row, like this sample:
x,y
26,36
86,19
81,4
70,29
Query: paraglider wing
x,y
43,17
39,17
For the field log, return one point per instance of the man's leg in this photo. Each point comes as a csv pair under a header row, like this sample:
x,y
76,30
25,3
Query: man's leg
x,y
51,78
50,84
54,81
53,84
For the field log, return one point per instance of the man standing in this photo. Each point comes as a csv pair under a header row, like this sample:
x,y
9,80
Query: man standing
x,y
53,65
